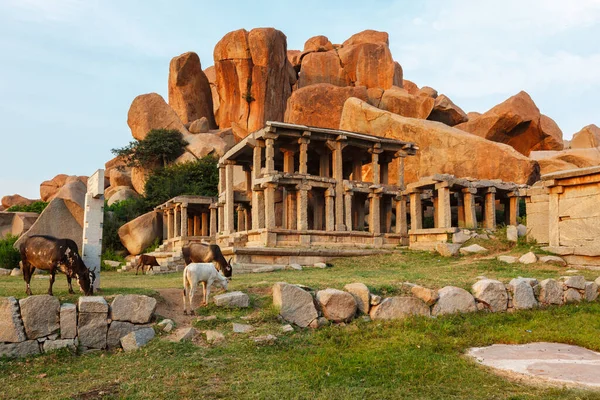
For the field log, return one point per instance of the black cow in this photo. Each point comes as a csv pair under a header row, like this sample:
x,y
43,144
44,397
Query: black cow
x,y
52,254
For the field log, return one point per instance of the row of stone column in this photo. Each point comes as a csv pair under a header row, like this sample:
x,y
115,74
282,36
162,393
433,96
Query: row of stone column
x,y
179,224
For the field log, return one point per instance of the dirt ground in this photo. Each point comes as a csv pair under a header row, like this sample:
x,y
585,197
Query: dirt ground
x,y
170,305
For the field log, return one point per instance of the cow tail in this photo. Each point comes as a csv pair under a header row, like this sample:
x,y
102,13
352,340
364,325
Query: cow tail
x,y
185,281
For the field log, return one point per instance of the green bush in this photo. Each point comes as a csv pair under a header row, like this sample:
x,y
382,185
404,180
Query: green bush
x,y
160,146
9,256
36,207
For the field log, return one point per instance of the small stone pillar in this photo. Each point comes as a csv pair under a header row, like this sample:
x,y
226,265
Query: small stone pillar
x,y
329,212
460,209
303,153
270,205
257,160
258,208
338,174
248,176
229,199
288,161
401,223
375,213
490,208
324,162
348,208
196,225
359,206
384,172
416,211
375,167
513,209
213,220
387,214
247,219
292,209
302,203
469,207
204,224
170,224
443,205
241,218
165,224
400,156
269,156
177,221
184,220
221,198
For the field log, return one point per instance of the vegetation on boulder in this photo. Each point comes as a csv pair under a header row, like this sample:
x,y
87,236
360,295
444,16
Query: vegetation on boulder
x,y
158,148
36,207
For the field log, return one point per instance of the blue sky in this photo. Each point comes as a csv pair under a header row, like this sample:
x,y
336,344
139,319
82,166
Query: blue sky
x,y
70,68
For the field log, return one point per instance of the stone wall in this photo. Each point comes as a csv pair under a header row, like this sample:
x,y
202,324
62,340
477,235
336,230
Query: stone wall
x,y
39,324
305,307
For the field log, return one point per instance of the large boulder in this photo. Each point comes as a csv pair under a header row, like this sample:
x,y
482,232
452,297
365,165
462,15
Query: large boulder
x,y
16,223
399,101
295,304
446,112
203,144
137,339
443,149
11,325
189,89
337,305
140,233
492,293
41,315
454,300
322,67
399,307
49,189
15,200
121,193
66,207
150,111
134,308
211,75
321,104
252,78
586,138
516,122
120,177
553,161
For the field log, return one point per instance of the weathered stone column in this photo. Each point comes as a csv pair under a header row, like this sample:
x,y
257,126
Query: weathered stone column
x,y
213,220
205,227
384,172
248,176
490,208
229,226
292,210
196,226
469,206
375,167
387,214
338,174
257,160
302,203
329,212
165,225
357,170
324,163
460,209
247,219
374,213
221,198
303,153
258,208
400,156
348,208
416,211
184,220
270,205
401,223
288,161
241,219
553,216
170,224
513,208
443,205
359,206
269,156
177,223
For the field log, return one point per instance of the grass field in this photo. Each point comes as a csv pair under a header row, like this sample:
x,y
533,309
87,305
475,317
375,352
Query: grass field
x,y
416,358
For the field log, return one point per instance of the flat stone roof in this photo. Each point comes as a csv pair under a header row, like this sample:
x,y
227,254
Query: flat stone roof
x,y
571,173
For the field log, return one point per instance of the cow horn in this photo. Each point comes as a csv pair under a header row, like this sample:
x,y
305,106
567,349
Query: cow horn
x,y
229,261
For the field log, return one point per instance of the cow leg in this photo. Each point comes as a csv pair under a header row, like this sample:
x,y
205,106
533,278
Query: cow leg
x,y
69,283
52,274
192,293
27,272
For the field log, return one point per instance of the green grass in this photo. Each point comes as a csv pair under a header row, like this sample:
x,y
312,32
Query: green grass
x,y
416,358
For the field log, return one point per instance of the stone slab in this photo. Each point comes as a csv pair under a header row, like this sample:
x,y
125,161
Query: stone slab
x,y
137,339
554,363
92,304
41,315
232,300
92,330
11,325
134,308
22,349
68,321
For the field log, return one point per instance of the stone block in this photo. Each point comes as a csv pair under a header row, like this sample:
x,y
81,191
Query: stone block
x,y
454,300
507,259
5,272
523,297
528,258
591,291
22,349
337,305
428,296
117,330
575,282
572,296
137,339
11,325
134,308
92,304
295,305
232,300
461,237
51,345
242,328
473,249
183,334
448,249
92,329
287,328
166,325
41,315
492,293
399,307
214,336
361,294
68,321
265,339
553,260
512,233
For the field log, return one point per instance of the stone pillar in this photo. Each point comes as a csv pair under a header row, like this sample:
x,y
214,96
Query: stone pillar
x,y
553,216
302,203
221,199
443,205
375,165
257,160
196,226
165,225
357,169
469,206
360,213
205,227
288,161
269,156
490,208
247,219
229,226
177,219
270,205
170,224
348,209
460,209
248,176
213,220
387,214
384,172
401,223
241,219
513,209
324,169
338,175
400,160
303,154
416,211
292,210
374,213
93,218
329,212
258,208
184,220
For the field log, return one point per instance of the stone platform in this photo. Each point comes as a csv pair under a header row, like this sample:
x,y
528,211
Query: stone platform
x,y
553,363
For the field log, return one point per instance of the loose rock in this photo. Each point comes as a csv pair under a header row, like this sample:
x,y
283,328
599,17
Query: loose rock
x,y
336,305
399,307
523,297
572,296
512,234
448,249
214,336
242,328
134,308
508,259
553,260
492,293
591,291
575,282
41,315
473,249
551,292
529,258
137,339
428,296
295,304
232,300
454,300
361,294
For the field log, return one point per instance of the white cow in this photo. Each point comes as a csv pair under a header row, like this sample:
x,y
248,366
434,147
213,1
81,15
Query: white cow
x,y
199,272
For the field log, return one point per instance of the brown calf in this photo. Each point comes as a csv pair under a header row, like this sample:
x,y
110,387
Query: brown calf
x,y
144,260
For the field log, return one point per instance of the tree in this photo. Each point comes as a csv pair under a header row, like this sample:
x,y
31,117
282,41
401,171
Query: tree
x,y
160,146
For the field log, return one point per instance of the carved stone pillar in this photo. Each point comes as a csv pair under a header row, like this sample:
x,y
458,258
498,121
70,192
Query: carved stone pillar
x,y
348,209
469,206
288,161
170,224
357,170
229,226
257,159
184,220
338,175
386,214
258,208
269,156
221,199
213,220
324,163
416,211
490,208
270,205
375,213
303,153
292,209
241,218
205,227
400,156
513,209
329,212
302,203
443,205
401,223
177,221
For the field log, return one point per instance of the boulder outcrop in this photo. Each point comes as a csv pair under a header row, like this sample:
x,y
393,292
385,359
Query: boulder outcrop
x,y
446,112
140,233
16,223
189,90
150,111
443,149
15,200
399,101
586,138
553,161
